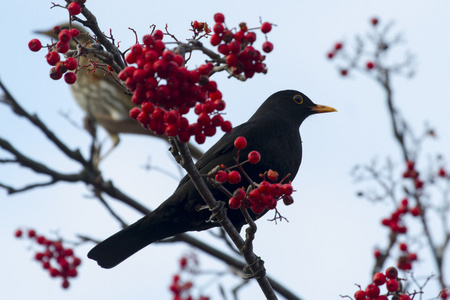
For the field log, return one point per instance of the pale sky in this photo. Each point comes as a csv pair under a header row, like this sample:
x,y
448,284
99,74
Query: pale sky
x,y
327,245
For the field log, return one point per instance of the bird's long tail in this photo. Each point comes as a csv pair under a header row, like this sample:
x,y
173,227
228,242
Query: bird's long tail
x,y
130,240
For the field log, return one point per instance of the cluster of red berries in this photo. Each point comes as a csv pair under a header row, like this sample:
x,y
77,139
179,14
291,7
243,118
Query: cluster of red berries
x,y
395,221
389,278
53,58
56,259
182,290
166,90
406,258
413,174
237,47
370,65
337,48
264,195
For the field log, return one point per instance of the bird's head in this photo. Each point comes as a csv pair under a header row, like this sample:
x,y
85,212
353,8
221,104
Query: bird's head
x,y
291,105
83,38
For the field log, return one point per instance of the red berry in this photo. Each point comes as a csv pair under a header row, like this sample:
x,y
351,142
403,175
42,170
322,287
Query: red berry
x,y
200,138
267,47
35,45
254,195
250,37
158,35
53,272
72,272
56,29
372,291
444,294
76,261
74,8
257,207
210,130
62,47
377,253
410,165
392,285
70,78
330,55
254,157
219,18
234,203
442,172
379,278
204,119
226,126
268,201
374,21
391,273
403,247
234,177
232,60
240,143
266,27
60,68
239,194
370,65
183,262
171,130
338,46
412,256
218,28
70,63
360,295
404,202
55,75
217,120
74,32
18,233
52,58
287,189
64,36
31,233
415,211
221,176
344,72
65,284
223,49
215,39
264,187
418,183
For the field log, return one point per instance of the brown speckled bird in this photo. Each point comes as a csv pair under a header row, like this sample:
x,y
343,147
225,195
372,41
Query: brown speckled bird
x,y
102,98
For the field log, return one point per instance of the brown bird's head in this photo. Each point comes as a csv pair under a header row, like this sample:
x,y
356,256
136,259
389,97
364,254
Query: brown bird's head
x,y
83,38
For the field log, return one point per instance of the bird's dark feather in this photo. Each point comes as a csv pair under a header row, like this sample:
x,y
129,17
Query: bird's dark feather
x,y
273,131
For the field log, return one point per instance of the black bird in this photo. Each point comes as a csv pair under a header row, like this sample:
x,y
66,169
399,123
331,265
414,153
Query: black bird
x,y
273,131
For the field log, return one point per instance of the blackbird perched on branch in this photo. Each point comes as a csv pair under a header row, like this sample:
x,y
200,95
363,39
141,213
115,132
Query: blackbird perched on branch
x,y
273,131
98,93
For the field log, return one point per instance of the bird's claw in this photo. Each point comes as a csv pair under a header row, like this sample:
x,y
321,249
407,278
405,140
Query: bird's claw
x,y
260,271
217,213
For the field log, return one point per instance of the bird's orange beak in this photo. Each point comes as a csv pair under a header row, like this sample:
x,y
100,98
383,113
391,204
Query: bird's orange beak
x,y
318,109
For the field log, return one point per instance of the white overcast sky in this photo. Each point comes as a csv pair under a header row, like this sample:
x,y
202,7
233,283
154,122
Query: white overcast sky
x,y
327,245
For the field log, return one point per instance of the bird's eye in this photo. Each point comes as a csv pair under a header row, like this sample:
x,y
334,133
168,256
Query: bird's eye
x,y
298,99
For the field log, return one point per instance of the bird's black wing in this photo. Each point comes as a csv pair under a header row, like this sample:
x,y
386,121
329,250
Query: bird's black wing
x,y
216,154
